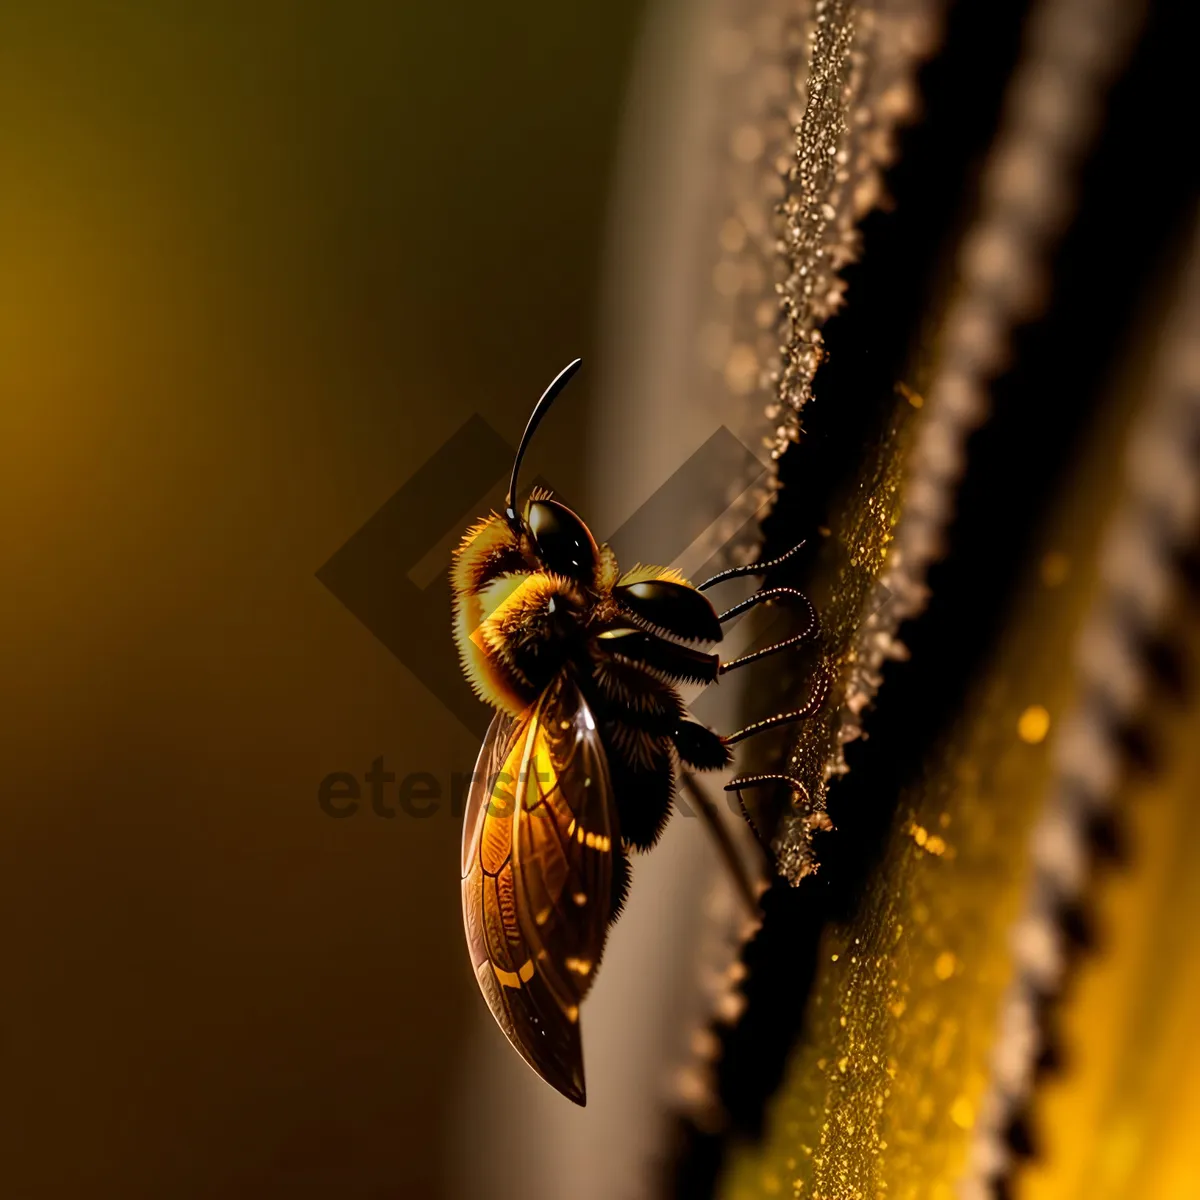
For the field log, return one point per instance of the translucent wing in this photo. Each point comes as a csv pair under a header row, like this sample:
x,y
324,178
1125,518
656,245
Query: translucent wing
x,y
538,845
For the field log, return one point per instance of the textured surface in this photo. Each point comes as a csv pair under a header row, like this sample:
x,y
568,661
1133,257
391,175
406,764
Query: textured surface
x,y
858,86
1122,1121
924,1027
1027,193
717,214
883,1090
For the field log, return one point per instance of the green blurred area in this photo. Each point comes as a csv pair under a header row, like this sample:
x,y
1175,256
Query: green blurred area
x,y
258,263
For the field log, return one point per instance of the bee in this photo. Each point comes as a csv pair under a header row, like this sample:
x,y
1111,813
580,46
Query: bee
x,y
583,664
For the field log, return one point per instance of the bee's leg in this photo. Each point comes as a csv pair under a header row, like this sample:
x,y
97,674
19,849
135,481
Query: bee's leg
x,y
811,707
758,568
773,593
810,630
743,781
737,869
701,748
674,660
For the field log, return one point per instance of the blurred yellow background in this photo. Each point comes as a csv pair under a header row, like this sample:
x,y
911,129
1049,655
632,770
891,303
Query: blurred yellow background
x,y
259,262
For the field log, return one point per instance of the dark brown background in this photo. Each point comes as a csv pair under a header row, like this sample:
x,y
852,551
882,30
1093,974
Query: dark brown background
x,y
258,263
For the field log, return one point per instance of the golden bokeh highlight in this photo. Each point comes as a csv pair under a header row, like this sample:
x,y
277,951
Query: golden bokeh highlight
x,y
1033,724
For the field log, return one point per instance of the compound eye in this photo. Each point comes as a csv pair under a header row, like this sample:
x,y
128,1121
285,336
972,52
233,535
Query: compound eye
x,y
563,542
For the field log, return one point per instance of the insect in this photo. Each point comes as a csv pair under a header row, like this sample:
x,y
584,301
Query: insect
x,y
578,769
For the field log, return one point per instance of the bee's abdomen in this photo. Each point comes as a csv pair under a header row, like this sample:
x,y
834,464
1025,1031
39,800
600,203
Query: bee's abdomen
x,y
642,770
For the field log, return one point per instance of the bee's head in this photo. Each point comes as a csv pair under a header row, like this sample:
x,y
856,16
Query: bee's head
x,y
562,542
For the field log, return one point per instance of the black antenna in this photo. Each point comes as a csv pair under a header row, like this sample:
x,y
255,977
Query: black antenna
x,y
548,397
